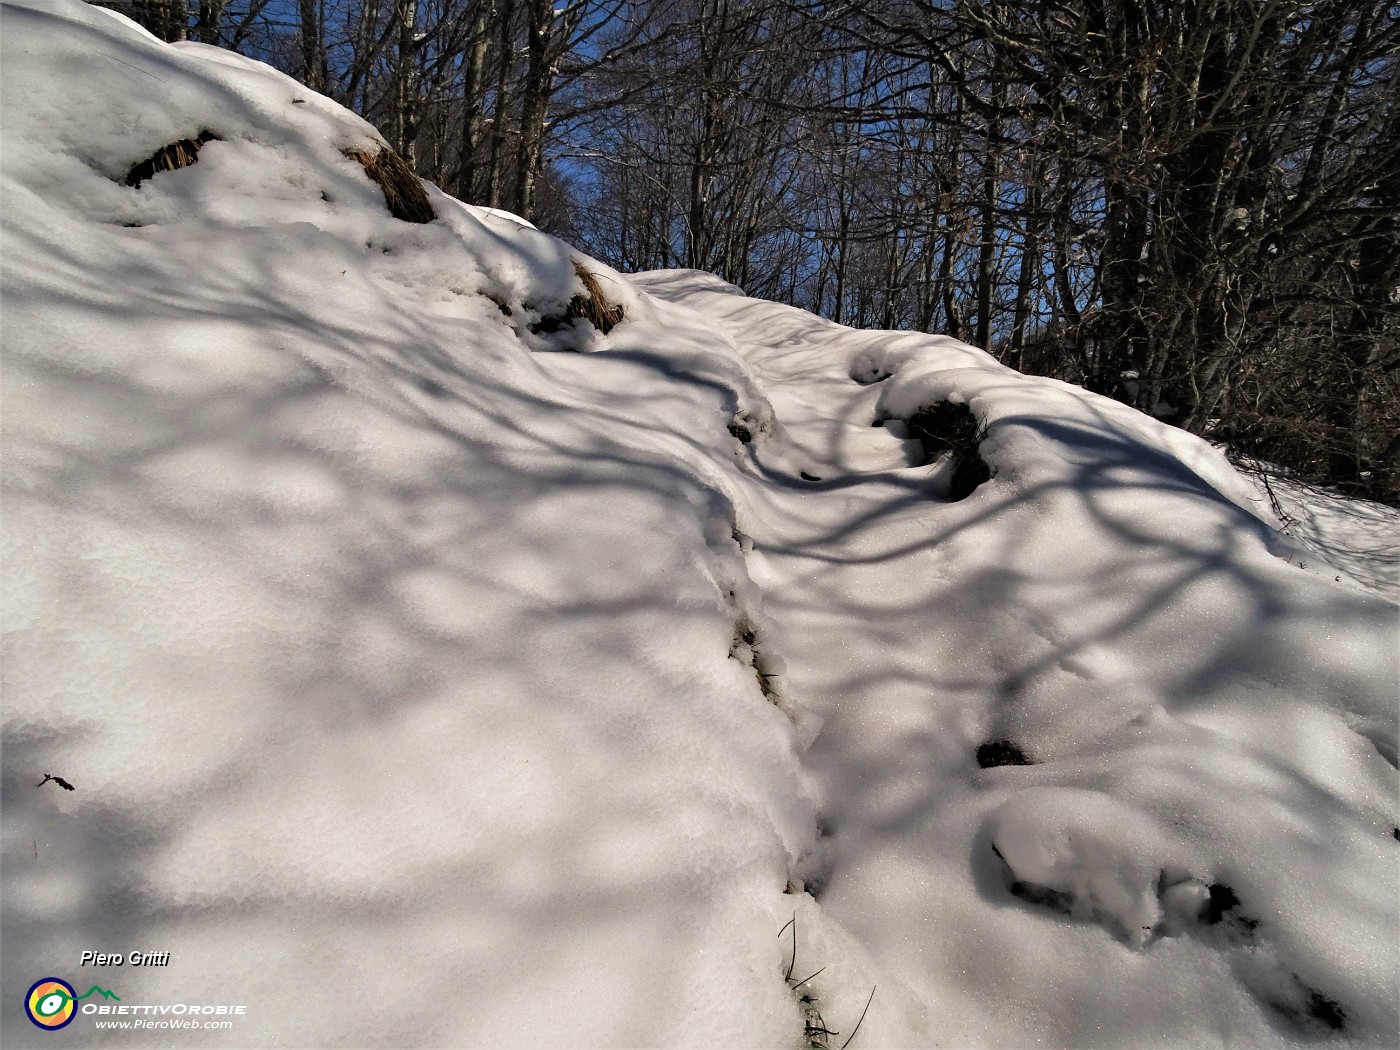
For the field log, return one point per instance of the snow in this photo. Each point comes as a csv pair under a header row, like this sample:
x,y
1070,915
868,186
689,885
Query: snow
x,y
1356,537
423,684
1201,711
1107,859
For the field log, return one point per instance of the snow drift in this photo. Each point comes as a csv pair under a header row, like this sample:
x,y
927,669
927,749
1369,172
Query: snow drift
x,y
423,683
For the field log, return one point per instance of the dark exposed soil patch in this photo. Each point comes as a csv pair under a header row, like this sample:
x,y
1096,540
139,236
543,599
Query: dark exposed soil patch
x,y
1002,753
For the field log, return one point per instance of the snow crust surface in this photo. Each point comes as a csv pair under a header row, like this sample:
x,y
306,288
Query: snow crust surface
x,y
425,683
1207,705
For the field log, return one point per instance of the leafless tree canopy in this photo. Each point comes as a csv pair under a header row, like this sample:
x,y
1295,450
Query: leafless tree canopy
x,y
1191,207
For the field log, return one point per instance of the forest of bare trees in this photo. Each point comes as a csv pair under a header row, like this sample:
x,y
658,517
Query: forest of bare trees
x,y
1190,207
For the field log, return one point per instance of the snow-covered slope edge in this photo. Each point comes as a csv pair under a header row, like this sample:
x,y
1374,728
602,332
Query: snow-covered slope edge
x,y
424,687
392,667
1203,850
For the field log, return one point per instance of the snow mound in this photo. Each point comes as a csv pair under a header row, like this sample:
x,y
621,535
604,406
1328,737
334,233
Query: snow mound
x,y
422,683
392,655
1108,756
1103,858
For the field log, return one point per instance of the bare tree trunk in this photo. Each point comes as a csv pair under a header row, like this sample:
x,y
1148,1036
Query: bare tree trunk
x,y
500,115
473,106
952,313
1028,276
539,86
315,73
1376,275
406,80
178,23
987,238
211,20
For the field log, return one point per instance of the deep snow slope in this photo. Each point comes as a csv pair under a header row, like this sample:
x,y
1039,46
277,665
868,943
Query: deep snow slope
x,y
392,670
1210,711
422,684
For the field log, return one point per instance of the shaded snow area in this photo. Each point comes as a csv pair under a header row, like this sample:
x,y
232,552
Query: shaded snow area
x,y
1359,539
422,683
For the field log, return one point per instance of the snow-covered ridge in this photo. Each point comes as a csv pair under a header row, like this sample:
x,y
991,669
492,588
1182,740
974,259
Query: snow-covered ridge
x,y
422,684
1208,711
387,655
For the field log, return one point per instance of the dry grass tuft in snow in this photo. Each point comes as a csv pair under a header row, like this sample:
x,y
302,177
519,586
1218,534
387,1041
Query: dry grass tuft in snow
x,y
177,155
593,307
815,1033
403,192
946,428
746,649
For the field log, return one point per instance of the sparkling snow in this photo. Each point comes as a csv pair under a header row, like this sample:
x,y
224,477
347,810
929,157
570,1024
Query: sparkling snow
x,y
424,682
